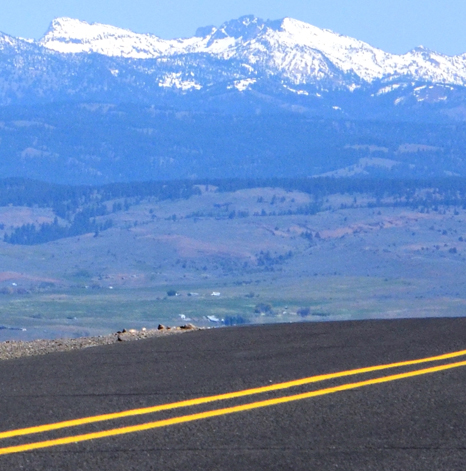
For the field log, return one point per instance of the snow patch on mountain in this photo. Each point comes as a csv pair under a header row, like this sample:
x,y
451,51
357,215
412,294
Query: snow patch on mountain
x,y
388,89
298,92
242,85
175,80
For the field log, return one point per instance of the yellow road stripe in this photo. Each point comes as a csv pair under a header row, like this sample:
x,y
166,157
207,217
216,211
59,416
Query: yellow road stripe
x,y
225,411
221,397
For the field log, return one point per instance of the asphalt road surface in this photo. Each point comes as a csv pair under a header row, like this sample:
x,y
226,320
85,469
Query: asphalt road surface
x,y
370,395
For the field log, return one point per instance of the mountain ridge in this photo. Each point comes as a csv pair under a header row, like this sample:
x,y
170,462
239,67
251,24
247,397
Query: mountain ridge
x,y
250,98
278,40
261,64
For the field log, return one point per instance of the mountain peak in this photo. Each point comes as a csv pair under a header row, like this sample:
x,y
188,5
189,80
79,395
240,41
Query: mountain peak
x,y
68,35
65,22
245,27
64,28
422,50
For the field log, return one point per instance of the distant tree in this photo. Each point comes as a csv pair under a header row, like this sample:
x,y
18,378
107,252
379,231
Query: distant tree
x,y
304,311
235,320
263,308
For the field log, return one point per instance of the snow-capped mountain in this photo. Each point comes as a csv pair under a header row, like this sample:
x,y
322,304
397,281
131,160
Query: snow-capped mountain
x,y
244,65
293,49
250,98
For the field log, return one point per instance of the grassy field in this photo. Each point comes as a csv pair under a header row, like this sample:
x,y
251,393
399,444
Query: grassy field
x,y
79,312
345,262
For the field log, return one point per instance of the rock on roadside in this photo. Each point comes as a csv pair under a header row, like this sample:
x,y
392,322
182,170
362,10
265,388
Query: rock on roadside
x,y
18,349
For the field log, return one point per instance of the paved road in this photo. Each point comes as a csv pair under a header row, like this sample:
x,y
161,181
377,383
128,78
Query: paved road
x,y
404,417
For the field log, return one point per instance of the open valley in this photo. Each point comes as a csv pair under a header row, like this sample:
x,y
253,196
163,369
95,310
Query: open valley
x,y
251,255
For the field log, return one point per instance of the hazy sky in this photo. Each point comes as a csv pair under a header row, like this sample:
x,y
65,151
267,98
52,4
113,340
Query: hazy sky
x,y
394,25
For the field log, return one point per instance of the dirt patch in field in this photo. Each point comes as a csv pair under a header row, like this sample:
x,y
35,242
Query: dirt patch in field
x,y
11,275
192,248
386,223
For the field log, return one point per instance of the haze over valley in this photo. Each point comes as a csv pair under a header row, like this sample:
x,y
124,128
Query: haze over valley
x,y
89,260
258,171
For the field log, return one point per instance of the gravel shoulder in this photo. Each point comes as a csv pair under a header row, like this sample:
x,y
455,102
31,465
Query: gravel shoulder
x,y
18,349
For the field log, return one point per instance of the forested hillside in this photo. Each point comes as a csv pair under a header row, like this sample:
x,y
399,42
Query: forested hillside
x,y
88,209
98,143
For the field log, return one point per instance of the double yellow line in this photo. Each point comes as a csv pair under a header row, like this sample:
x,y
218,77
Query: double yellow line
x,y
223,397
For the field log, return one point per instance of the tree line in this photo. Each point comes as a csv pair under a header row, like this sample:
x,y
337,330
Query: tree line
x,y
29,234
80,206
